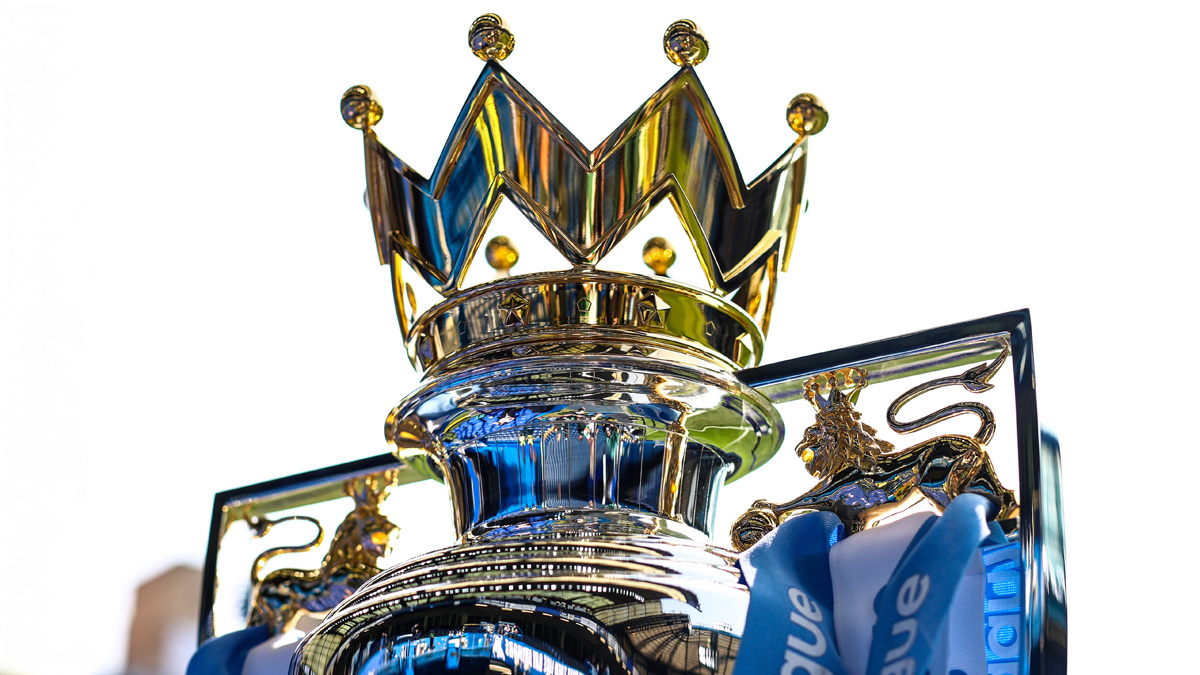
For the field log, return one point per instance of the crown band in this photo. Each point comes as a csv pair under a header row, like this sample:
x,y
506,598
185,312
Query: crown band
x,y
585,308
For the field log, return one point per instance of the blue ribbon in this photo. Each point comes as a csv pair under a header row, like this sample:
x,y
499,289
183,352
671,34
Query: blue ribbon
x,y
790,628
799,639
911,609
226,655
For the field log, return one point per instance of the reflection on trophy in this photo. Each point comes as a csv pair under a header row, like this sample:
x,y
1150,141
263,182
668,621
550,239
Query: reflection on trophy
x,y
584,420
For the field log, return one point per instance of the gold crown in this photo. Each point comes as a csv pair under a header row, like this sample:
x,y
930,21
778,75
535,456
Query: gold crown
x,y
505,144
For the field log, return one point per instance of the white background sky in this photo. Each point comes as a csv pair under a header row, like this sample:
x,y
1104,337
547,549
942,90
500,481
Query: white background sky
x,y
189,299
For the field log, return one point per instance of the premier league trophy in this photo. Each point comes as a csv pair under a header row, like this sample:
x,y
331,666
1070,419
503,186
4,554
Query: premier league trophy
x,y
584,421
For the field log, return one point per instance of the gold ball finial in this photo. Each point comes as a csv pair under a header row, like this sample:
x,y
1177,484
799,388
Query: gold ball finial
x,y
490,38
360,108
501,254
806,115
685,43
658,255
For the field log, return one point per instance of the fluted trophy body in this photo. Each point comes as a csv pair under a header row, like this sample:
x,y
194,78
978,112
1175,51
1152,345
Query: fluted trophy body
x,y
584,506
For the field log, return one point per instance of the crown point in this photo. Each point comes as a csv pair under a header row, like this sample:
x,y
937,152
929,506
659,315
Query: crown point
x,y
490,38
501,254
659,255
360,108
685,43
806,115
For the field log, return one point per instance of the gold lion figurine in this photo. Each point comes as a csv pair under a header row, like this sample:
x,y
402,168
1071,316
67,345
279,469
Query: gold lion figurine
x,y
863,481
284,596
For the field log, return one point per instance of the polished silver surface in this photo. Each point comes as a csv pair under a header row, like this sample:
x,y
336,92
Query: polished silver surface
x,y
587,591
589,431
1044,546
784,381
584,490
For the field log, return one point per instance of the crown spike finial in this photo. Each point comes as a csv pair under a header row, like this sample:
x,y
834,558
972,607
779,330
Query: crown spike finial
x,y
360,108
501,254
659,255
490,38
807,115
685,43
